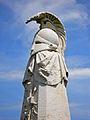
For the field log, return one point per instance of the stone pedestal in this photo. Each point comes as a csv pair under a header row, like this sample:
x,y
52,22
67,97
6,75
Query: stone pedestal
x,y
53,103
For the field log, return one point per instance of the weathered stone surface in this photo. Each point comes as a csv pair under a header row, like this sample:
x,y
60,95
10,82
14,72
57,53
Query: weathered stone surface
x,y
53,103
46,74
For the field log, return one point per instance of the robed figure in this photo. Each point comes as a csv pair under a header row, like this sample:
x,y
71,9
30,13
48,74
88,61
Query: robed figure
x,y
46,74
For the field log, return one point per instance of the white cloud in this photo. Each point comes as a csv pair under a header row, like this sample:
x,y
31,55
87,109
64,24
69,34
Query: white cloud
x,y
74,73
77,61
80,73
67,10
79,104
78,69
80,109
13,107
11,75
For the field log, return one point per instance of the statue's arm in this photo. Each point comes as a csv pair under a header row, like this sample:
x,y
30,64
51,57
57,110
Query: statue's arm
x,y
29,71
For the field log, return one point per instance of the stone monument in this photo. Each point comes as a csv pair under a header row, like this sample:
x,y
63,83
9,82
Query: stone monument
x,y
46,74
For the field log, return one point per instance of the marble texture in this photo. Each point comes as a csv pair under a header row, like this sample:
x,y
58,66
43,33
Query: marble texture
x,y
46,75
53,103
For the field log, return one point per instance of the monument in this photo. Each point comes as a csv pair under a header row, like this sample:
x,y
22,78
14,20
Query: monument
x,y
46,74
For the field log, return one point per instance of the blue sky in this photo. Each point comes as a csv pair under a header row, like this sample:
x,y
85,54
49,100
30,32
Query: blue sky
x,y
15,43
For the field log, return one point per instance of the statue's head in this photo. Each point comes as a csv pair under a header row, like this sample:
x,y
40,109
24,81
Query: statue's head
x,y
48,20
46,23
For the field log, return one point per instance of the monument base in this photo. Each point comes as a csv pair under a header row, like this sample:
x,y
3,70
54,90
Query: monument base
x,y
53,103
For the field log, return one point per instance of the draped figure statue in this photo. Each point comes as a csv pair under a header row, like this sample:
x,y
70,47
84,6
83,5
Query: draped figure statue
x,y
46,74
